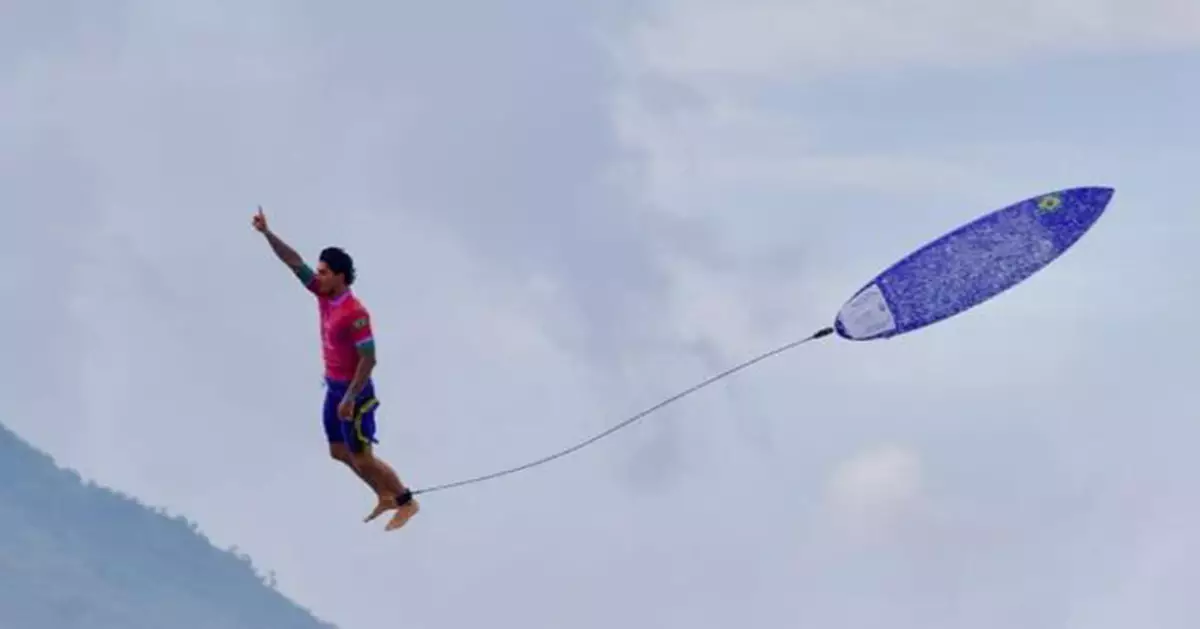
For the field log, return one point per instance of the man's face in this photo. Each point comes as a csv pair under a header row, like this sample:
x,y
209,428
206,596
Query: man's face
x,y
327,281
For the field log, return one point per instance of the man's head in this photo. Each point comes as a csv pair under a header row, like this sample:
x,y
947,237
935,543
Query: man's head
x,y
335,271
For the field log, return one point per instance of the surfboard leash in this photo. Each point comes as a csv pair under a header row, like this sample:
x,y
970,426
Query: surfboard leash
x,y
627,422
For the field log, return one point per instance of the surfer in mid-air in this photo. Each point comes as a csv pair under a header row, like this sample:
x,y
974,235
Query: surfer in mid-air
x,y
349,355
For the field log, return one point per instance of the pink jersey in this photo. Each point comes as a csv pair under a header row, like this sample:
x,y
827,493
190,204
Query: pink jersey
x,y
345,326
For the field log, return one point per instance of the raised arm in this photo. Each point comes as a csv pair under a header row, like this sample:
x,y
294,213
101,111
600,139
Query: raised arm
x,y
284,252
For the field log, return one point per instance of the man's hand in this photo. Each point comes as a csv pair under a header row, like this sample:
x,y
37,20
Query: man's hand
x,y
260,221
281,249
346,408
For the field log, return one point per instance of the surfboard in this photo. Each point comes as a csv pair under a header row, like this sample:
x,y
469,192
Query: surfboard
x,y
971,264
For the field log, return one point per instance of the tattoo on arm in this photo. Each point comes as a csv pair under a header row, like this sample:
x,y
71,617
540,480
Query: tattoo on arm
x,y
292,259
304,273
284,252
366,363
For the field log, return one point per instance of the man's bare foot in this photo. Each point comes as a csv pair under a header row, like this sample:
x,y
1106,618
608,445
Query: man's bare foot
x,y
403,513
386,503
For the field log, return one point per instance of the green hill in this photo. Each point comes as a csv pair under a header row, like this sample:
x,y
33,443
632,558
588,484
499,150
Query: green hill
x,y
74,555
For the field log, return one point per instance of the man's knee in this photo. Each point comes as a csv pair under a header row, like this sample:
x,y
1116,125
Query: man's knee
x,y
360,459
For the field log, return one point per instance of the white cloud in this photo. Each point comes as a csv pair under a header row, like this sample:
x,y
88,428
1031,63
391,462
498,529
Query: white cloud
x,y
875,491
787,41
809,184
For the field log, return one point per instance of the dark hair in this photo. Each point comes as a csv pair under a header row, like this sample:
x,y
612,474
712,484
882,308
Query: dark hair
x,y
339,262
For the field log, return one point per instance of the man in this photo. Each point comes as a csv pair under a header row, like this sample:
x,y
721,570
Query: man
x,y
349,354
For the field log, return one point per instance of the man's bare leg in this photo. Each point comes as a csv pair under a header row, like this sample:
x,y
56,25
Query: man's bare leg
x,y
407,505
388,500
340,452
392,493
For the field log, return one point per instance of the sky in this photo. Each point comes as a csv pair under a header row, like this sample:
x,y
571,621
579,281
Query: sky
x,y
563,213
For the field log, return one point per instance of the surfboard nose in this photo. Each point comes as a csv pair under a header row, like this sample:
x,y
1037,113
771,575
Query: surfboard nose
x,y
1071,213
1096,196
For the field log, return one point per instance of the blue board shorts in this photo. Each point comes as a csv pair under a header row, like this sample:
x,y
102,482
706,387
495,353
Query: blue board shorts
x,y
359,432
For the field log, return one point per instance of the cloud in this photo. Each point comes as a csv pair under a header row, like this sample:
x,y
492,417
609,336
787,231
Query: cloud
x,y
771,39
874,489
819,151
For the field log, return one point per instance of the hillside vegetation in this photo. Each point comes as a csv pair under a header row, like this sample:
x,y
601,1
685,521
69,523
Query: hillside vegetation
x,y
74,555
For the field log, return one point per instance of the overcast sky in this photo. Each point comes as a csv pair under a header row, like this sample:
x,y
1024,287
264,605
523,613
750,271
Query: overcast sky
x,y
564,212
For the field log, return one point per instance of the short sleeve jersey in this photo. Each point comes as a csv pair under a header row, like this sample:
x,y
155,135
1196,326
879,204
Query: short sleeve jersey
x,y
345,327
